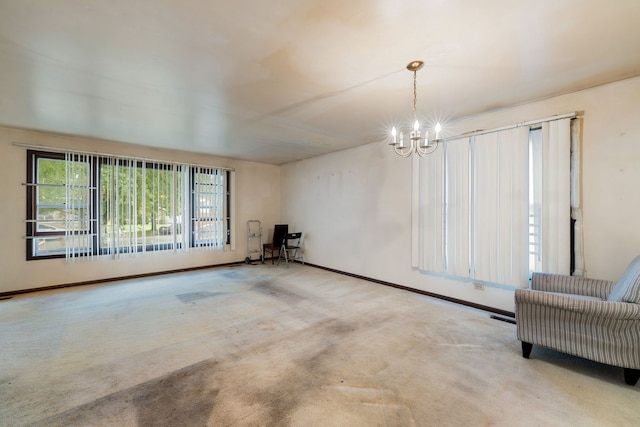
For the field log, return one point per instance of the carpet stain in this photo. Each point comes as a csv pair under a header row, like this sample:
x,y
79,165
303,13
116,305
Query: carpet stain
x,y
281,399
182,397
191,396
299,383
272,290
232,274
192,297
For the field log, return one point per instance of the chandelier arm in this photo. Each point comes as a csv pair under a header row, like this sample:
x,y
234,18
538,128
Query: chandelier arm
x,y
402,153
423,152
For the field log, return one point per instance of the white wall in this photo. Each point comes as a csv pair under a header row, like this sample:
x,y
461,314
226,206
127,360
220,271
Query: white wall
x,y
355,208
257,197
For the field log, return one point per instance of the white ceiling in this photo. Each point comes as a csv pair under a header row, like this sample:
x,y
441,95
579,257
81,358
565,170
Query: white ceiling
x,y
282,80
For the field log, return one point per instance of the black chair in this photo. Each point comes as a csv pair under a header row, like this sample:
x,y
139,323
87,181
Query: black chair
x,y
279,231
291,248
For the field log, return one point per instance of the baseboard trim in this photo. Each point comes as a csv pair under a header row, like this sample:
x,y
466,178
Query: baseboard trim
x,y
419,291
115,279
504,319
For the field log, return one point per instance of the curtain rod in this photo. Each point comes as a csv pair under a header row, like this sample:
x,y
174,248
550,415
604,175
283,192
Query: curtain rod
x,y
517,125
117,156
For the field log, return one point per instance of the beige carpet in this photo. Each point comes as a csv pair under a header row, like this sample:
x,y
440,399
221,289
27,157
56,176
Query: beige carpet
x,y
265,345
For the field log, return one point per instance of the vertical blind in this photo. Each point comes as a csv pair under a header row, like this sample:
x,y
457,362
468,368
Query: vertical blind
x,y
430,213
500,207
79,225
184,204
457,202
474,199
142,204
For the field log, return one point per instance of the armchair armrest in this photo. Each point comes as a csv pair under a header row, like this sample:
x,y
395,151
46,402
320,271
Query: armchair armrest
x,y
590,307
571,285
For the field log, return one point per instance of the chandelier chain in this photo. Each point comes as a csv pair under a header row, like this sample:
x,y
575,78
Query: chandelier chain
x,y
415,95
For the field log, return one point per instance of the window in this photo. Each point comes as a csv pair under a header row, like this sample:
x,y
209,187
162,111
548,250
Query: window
x,y
139,205
495,206
84,205
210,225
60,205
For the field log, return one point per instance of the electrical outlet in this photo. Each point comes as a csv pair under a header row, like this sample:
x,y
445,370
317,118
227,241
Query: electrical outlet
x,y
478,287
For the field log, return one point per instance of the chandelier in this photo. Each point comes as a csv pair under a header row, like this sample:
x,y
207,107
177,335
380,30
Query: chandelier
x,y
418,143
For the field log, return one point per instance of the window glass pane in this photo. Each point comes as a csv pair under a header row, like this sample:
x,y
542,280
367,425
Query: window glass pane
x,y
78,224
51,171
51,226
79,196
205,178
55,219
49,246
51,195
205,231
44,246
206,189
78,174
51,213
205,212
56,171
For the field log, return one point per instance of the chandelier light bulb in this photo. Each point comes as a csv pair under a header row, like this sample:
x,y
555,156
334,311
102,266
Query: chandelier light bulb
x,y
416,126
424,142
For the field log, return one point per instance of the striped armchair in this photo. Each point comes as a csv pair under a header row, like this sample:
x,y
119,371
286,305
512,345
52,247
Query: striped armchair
x,y
598,320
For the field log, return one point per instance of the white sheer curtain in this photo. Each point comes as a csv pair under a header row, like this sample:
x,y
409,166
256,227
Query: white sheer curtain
x,y
500,207
556,197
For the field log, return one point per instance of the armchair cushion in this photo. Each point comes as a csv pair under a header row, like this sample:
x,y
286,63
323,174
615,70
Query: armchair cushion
x,y
627,289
